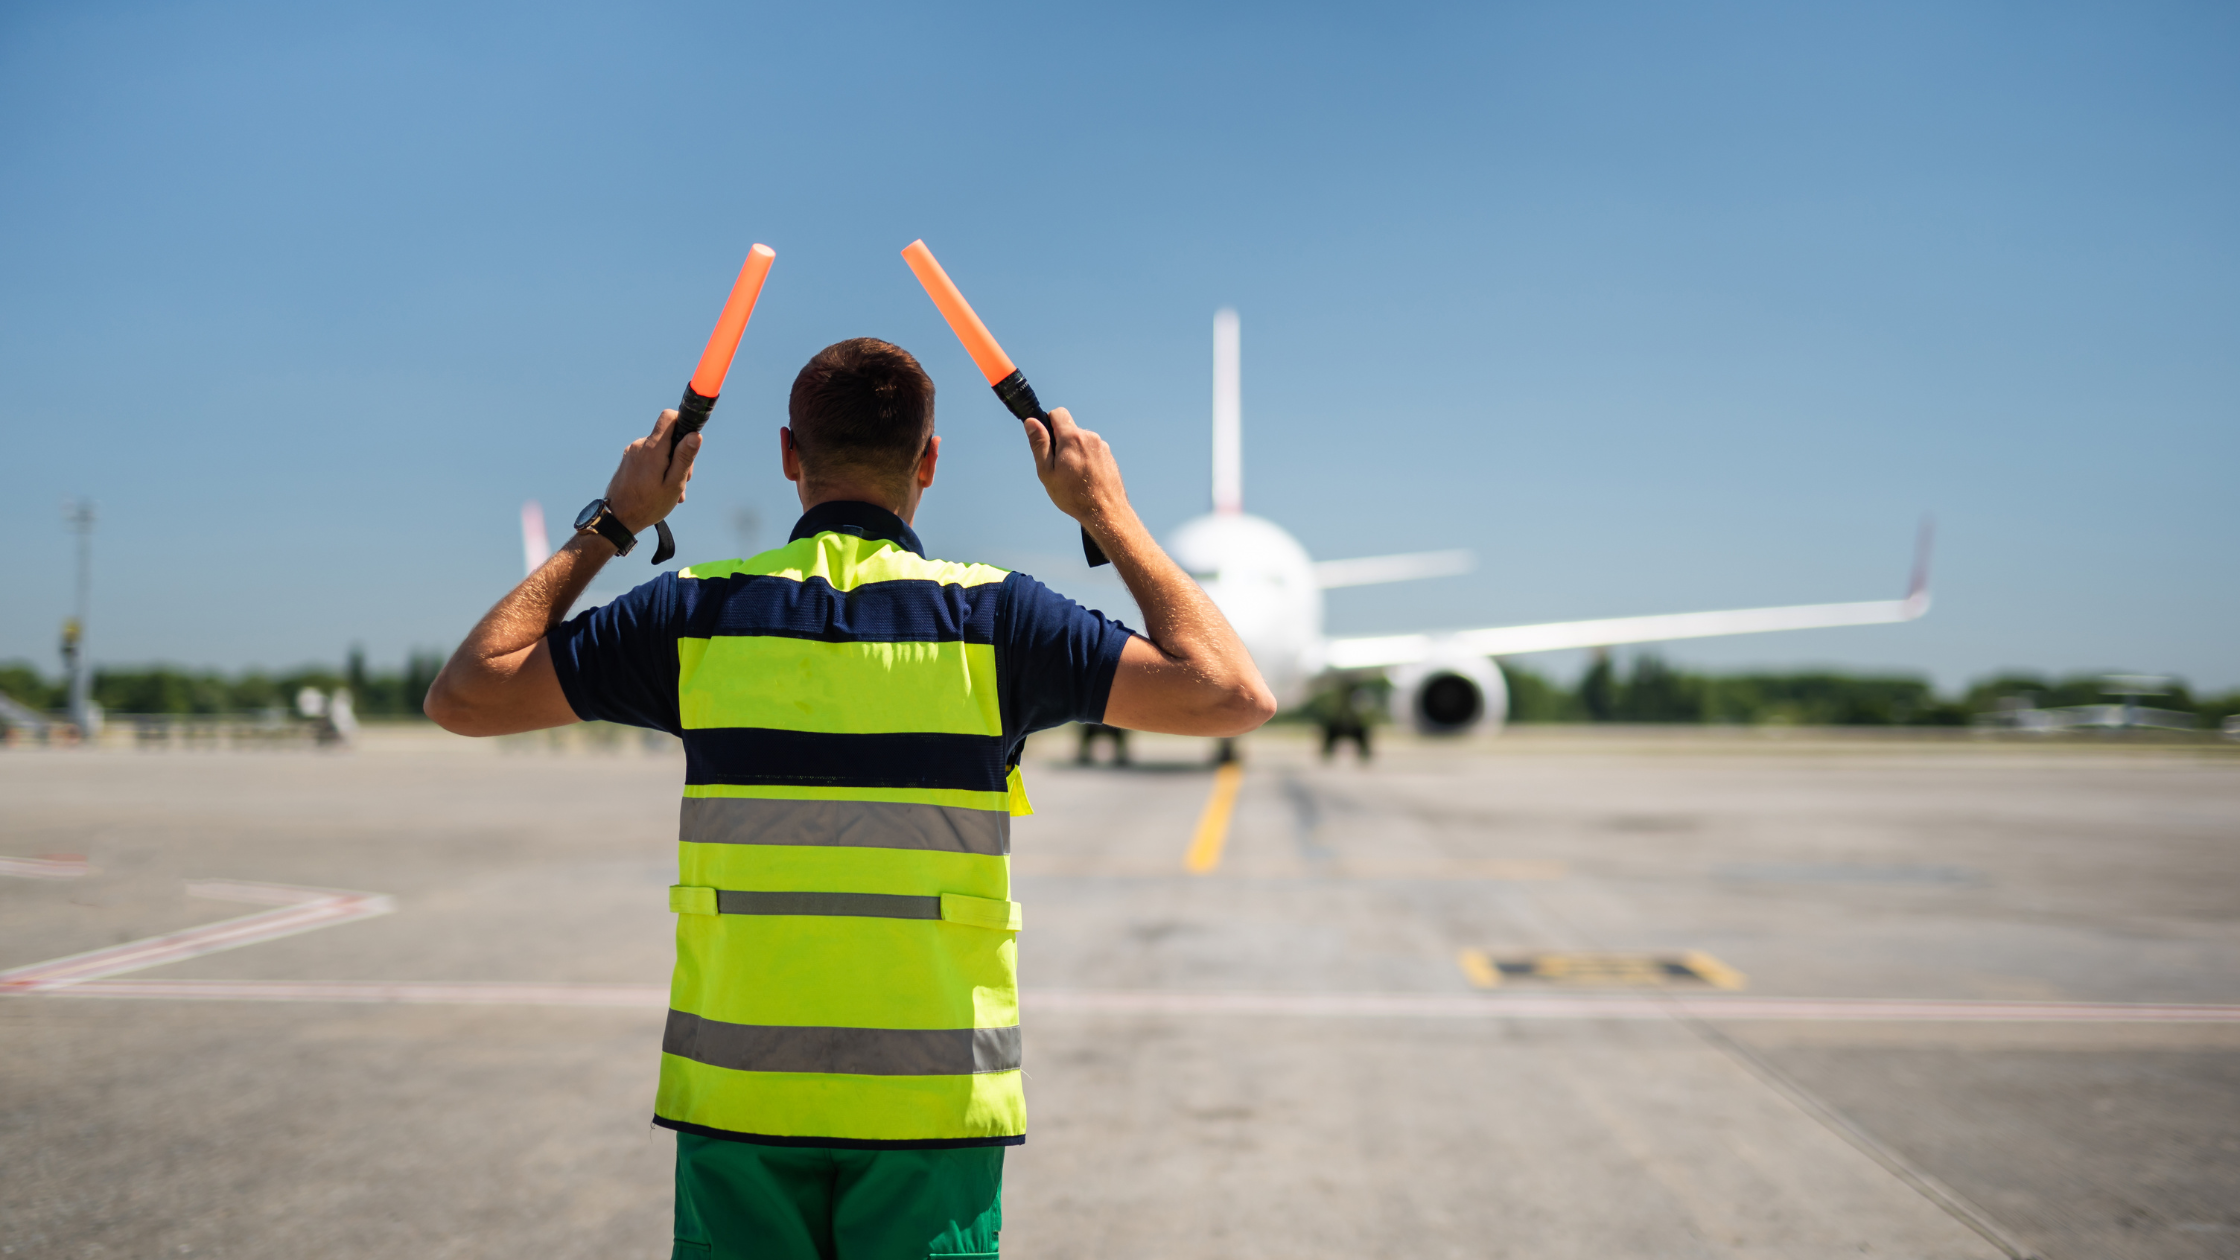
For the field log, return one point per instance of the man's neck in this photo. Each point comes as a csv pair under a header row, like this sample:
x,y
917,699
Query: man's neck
x,y
823,494
852,516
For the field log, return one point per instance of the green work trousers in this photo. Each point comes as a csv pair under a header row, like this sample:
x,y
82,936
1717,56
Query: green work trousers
x,y
740,1201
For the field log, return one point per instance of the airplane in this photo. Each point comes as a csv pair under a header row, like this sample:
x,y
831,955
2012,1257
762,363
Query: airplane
x,y
1443,682
536,548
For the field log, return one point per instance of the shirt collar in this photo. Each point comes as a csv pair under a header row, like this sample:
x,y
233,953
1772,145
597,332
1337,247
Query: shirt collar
x,y
864,520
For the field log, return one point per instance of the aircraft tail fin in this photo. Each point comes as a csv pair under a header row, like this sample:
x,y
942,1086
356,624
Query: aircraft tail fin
x,y
1228,416
536,548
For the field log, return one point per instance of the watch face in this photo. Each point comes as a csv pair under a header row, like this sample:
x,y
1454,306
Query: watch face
x,y
589,513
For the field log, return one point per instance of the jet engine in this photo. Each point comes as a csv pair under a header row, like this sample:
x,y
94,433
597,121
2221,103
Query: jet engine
x,y
1449,692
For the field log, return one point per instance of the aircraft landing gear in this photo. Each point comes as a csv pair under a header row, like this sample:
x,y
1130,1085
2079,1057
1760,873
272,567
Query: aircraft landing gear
x,y
1091,732
1224,752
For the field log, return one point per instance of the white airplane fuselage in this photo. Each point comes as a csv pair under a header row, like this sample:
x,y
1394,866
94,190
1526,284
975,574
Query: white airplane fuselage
x,y
1264,582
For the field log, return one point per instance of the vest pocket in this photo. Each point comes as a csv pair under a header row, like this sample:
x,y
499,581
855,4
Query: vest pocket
x,y
982,912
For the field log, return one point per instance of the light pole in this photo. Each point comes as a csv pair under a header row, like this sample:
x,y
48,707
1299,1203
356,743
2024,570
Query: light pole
x,y
78,516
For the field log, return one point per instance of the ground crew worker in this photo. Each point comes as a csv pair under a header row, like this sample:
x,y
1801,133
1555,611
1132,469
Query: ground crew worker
x,y
841,1060
1343,712
1085,747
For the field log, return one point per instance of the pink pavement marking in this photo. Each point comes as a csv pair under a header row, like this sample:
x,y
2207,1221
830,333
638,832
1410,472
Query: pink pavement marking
x,y
1553,1006
300,910
434,992
308,909
52,866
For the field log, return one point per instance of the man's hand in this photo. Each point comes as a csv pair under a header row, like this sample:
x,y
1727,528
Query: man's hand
x,y
1191,675
1078,471
650,481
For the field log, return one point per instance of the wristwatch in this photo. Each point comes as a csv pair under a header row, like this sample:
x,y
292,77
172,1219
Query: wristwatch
x,y
598,518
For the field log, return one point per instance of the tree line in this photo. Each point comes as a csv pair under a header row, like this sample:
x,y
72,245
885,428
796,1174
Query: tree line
x,y
1651,690
1646,690
172,689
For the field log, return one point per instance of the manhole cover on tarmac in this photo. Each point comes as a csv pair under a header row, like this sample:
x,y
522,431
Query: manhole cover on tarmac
x,y
1690,969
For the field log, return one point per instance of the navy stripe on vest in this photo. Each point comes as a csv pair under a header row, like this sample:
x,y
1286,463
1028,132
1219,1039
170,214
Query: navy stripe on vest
x,y
907,611
754,755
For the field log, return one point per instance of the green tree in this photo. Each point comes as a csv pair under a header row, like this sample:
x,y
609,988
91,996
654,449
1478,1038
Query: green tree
x,y
1598,689
1533,698
1824,698
1659,693
2213,710
160,689
23,683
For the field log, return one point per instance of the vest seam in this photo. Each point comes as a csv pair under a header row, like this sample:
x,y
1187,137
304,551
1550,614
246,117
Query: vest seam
x,y
845,1144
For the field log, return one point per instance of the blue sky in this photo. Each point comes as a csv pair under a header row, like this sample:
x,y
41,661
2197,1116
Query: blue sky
x,y
1658,307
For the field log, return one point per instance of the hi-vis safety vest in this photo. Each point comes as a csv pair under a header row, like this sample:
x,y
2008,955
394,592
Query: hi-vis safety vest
x,y
847,949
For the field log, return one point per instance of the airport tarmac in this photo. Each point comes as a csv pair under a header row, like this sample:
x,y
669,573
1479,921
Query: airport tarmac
x,y
1569,993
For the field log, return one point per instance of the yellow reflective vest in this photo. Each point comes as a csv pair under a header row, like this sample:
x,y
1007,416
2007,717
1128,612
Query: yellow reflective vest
x,y
847,946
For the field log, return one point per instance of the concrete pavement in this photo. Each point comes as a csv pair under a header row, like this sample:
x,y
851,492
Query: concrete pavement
x,y
1216,1067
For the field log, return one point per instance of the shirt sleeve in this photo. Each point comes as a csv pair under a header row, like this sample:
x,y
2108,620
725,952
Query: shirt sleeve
x,y
618,662
1058,658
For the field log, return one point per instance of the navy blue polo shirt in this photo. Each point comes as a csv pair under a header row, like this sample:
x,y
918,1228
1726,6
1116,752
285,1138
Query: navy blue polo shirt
x,y
1054,659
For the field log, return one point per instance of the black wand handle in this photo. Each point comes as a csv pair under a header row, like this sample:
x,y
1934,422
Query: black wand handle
x,y
1019,397
692,416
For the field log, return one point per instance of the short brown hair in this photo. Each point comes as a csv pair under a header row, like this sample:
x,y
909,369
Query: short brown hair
x,y
861,404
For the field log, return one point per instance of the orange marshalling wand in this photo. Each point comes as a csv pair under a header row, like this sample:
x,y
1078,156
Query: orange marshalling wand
x,y
1003,376
715,363
978,341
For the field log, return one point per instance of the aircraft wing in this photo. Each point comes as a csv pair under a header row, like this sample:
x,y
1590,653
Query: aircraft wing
x,y
1370,570
1407,649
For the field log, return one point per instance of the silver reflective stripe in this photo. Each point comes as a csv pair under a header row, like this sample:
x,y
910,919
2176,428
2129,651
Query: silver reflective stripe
x,y
859,905
852,1051
849,824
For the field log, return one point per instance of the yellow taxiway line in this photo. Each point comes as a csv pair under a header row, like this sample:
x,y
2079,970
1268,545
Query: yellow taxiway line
x,y
1213,824
1479,968
1635,971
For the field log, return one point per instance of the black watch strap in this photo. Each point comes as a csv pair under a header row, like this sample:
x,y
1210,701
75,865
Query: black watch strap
x,y
606,526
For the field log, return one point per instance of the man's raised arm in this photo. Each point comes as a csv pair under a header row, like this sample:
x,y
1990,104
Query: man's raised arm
x,y
501,680
1192,675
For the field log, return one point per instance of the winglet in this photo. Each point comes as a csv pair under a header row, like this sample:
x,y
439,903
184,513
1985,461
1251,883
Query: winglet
x,y
1917,591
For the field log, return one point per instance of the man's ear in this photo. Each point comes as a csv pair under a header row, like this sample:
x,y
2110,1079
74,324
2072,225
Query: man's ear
x,y
789,455
928,460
